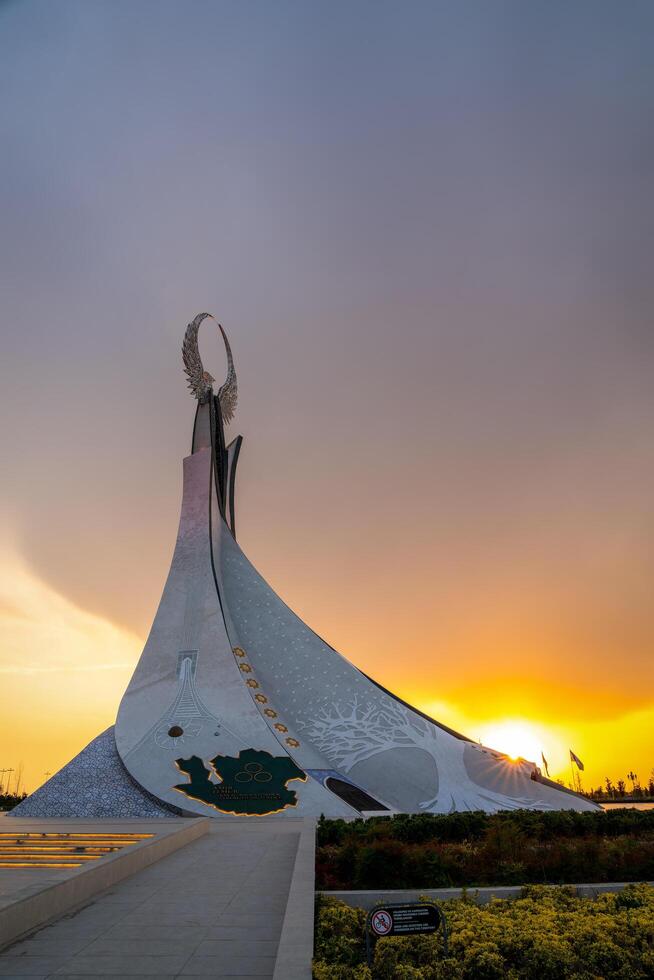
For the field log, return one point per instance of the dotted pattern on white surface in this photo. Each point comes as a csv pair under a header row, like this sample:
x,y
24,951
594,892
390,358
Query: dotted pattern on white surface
x,y
93,784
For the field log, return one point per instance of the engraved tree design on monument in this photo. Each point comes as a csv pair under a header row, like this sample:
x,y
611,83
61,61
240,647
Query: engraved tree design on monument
x,y
351,732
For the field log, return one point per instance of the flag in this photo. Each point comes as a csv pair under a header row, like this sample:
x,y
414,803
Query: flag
x,y
577,761
547,768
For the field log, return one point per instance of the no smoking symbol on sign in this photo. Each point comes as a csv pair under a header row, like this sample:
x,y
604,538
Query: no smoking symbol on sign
x,y
403,919
382,922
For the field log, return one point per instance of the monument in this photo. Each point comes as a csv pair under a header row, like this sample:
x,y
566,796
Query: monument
x,y
238,709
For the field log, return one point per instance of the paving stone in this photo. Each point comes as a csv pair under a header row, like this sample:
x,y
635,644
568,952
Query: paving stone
x,y
113,945
47,946
240,947
19,976
184,933
30,966
255,908
215,908
238,966
260,932
236,918
119,966
191,907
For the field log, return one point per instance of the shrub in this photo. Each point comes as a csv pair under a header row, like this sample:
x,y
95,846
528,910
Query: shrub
x,y
547,934
471,849
457,827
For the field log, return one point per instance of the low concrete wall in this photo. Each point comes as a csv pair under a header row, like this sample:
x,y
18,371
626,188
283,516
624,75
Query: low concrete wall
x,y
55,899
295,951
368,899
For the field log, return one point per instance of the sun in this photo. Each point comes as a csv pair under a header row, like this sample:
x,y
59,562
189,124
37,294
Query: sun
x,y
518,739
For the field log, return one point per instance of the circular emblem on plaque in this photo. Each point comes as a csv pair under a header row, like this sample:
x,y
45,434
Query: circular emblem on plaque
x,y
253,771
382,922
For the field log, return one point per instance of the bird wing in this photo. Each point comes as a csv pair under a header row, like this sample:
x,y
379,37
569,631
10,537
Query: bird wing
x,y
193,367
228,392
198,382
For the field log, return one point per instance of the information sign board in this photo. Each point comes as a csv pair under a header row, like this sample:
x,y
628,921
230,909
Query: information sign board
x,y
403,919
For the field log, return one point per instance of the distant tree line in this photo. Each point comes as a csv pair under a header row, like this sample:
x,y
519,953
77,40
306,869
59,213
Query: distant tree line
x,y
630,788
11,796
9,800
473,849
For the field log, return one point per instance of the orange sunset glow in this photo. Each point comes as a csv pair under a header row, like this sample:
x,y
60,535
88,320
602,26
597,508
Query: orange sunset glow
x,y
74,691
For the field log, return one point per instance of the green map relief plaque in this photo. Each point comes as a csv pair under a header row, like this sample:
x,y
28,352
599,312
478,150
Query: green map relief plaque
x,y
253,784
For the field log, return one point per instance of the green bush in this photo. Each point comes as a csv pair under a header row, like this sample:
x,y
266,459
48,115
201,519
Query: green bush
x,y
547,934
9,800
471,849
457,827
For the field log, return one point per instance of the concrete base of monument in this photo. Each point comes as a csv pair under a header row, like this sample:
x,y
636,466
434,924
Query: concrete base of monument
x,y
50,867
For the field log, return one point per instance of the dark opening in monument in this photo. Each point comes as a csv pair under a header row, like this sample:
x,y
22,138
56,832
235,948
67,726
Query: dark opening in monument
x,y
353,795
175,731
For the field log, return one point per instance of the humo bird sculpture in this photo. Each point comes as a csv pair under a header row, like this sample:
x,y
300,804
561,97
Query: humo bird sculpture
x,y
200,381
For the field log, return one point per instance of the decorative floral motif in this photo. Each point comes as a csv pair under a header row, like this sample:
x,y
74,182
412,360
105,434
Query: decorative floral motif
x,y
76,790
245,668
261,698
270,713
280,727
293,742
238,652
252,683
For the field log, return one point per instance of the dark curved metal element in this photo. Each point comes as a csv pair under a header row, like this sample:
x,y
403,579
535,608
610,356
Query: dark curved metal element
x,y
354,796
220,456
233,451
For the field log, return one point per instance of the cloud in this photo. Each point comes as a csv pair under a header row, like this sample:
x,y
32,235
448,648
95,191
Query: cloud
x,y
45,633
63,671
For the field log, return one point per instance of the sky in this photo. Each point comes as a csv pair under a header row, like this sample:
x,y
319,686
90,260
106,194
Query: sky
x,y
427,229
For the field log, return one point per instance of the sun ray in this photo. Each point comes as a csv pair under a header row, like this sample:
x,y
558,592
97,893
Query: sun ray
x,y
517,738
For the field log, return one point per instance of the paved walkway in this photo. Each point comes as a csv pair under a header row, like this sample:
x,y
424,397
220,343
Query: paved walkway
x,y
215,908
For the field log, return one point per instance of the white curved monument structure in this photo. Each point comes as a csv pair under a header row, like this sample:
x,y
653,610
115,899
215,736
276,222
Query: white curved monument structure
x,y
237,709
